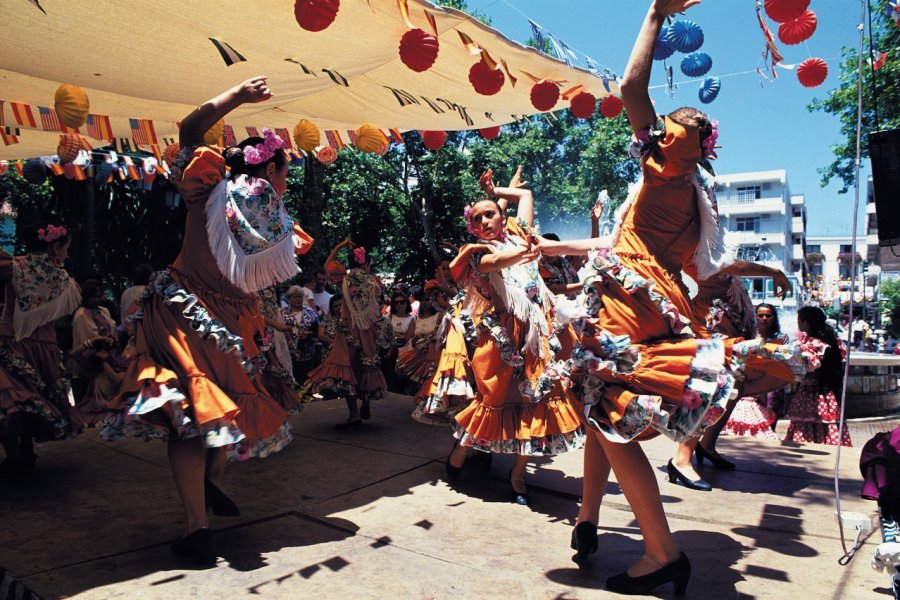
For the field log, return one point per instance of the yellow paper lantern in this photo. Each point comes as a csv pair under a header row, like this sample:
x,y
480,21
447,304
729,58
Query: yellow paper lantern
x,y
368,138
72,105
214,134
306,135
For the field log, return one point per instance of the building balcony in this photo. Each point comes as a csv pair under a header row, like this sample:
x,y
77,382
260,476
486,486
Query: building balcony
x,y
797,252
870,207
797,225
729,201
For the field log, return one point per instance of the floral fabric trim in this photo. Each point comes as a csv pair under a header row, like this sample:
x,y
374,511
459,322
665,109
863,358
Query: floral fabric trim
x,y
255,214
450,396
550,445
793,355
643,140
245,449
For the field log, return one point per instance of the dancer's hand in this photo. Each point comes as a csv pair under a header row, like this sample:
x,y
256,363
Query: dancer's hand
x,y
782,284
516,181
486,181
597,211
253,90
671,7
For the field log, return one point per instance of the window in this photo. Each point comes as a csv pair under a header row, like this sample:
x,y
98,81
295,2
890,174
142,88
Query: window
x,y
748,253
846,248
814,248
797,212
748,193
747,224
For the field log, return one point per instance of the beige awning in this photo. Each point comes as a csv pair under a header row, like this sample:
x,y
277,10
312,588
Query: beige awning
x,y
155,60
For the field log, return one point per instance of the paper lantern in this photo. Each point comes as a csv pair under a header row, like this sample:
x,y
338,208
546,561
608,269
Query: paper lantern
x,y
418,49
72,105
68,148
489,133
326,155
663,48
316,15
696,64
485,80
382,149
368,138
709,89
4,167
812,72
306,135
34,172
544,95
782,11
434,140
685,36
611,106
214,134
171,153
798,30
583,105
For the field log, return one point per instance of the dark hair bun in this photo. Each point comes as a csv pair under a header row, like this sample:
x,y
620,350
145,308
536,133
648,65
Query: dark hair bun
x,y
234,158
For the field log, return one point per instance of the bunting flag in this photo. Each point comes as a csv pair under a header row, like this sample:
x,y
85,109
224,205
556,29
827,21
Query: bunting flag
x,y
99,128
20,168
8,137
38,4
558,50
538,34
252,132
123,145
49,121
142,131
132,170
55,168
352,136
24,116
334,139
157,153
396,136
228,136
229,54
568,50
285,136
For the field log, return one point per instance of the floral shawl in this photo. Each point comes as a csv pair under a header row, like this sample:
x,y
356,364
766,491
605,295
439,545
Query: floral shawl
x,y
44,293
361,296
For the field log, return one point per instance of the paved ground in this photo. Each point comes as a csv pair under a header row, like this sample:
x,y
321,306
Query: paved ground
x,y
367,515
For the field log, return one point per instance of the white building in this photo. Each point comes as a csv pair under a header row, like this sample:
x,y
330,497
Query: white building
x,y
830,268
768,222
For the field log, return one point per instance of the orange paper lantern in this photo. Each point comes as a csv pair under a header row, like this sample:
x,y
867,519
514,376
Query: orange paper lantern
x,y
582,105
418,49
306,135
326,155
72,105
485,80
434,140
368,138
68,148
544,95
812,72
611,107
316,15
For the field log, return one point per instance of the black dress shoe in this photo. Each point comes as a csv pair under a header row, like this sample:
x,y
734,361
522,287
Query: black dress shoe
x,y
716,461
216,501
196,546
676,476
365,411
678,572
350,425
584,541
453,473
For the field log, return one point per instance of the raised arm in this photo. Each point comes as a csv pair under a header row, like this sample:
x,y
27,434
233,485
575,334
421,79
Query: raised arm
x,y
636,80
337,249
571,247
782,284
196,124
515,192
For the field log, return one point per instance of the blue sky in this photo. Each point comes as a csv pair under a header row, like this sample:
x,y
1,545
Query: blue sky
x,y
761,127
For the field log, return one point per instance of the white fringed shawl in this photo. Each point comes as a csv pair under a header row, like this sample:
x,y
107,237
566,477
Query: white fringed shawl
x,y
249,272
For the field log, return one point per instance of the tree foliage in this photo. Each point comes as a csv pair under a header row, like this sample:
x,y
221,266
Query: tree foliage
x,y
842,101
890,305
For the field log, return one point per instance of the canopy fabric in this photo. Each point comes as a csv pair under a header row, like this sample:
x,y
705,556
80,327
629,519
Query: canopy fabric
x,y
156,61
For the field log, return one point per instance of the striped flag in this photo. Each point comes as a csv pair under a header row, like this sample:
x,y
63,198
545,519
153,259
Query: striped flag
x,y
229,54
55,168
132,170
334,139
252,131
352,135
49,121
228,136
23,114
99,128
20,168
9,135
285,136
157,153
396,136
142,131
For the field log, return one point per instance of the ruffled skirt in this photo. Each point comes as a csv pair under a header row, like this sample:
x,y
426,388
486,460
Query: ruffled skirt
x,y
750,419
449,390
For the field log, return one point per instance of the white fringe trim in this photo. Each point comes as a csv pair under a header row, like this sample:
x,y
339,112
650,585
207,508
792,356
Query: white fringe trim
x,y
367,317
249,272
24,323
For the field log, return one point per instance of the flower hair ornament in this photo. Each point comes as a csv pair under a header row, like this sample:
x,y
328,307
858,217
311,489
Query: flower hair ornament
x,y
709,144
260,153
51,233
359,255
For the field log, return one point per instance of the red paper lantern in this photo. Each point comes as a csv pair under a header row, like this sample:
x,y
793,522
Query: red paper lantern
x,y
544,95
798,30
490,133
434,140
583,105
382,149
326,155
316,15
812,72
783,11
418,49
485,80
611,106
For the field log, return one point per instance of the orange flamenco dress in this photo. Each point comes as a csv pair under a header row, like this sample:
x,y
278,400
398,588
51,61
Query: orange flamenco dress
x,y
200,333
647,363
522,404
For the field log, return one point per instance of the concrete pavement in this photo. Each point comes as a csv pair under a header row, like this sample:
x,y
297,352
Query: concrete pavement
x,y
367,515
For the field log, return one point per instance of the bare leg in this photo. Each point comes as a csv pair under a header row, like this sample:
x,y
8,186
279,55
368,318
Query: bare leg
x,y
596,476
352,408
458,456
517,474
187,459
682,458
638,483
215,465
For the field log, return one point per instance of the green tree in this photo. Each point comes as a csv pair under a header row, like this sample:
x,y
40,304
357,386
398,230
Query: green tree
x,y
842,101
890,305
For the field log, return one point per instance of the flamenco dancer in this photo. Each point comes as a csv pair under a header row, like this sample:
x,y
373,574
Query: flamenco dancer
x,y
199,336
647,364
521,406
34,389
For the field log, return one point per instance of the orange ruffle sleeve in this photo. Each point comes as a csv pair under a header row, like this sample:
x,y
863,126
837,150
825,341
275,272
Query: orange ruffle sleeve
x,y
205,170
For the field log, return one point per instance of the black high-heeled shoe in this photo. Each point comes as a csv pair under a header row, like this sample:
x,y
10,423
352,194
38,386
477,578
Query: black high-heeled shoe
x,y
216,501
678,572
676,476
584,541
520,498
716,461
196,546
350,425
453,473
365,411
480,460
